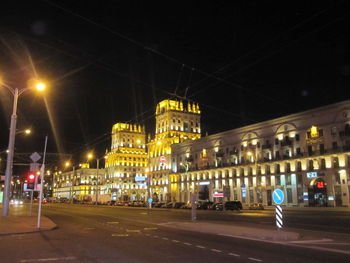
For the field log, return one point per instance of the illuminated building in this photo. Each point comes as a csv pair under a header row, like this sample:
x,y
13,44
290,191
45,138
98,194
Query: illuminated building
x,y
307,155
176,122
80,184
126,162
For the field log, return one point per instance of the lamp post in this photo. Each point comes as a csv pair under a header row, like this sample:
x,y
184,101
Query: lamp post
x,y
89,157
8,174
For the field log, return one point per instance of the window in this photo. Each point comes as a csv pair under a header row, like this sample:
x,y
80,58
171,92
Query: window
x,y
297,138
299,179
323,164
335,162
276,141
320,132
311,164
278,170
298,166
334,145
288,179
289,195
268,180
321,148
309,150
267,169
334,131
277,180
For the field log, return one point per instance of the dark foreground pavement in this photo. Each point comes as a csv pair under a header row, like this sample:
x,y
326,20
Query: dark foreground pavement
x,y
112,234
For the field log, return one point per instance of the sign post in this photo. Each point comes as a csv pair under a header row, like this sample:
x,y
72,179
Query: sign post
x,y
278,198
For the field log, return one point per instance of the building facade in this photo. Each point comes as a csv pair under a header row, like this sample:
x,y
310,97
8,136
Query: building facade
x,y
126,162
307,155
79,184
176,122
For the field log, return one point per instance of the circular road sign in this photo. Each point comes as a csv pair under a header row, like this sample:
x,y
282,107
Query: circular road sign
x,y
278,196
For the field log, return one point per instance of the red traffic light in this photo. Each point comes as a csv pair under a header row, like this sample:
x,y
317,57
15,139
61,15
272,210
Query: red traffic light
x,y
31,177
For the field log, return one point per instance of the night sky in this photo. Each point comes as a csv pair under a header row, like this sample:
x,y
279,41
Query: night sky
x,y
112,61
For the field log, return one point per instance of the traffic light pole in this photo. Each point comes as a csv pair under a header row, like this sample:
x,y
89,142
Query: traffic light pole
x,y
42,185
31,202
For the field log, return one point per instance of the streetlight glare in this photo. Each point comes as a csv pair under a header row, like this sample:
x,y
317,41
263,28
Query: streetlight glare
x,y
27,131
40,86
67,164
90,156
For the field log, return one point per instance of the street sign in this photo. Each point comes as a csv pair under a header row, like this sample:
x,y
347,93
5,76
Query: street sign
x,y
278,196
150,200
217,194
35,157
279,217
162,159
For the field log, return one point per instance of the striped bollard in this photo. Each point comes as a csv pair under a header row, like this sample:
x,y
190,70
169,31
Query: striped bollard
x,y
279,217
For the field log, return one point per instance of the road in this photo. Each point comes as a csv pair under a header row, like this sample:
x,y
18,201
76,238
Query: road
x,y
118,234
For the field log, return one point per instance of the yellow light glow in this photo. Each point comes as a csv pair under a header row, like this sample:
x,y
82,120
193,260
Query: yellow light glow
x,y
249,153
159,142
314,131
138,141
40,86
89,156
67,164
27,131
280,137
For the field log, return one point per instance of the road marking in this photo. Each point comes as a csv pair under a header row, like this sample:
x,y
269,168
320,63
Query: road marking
x,y
255,259
233,254
143,213
216,250
311,241
46,259
112,222
176,241
155,236
200,246
147,235
133,230
165,238
120,235
150,228
89,228
188,244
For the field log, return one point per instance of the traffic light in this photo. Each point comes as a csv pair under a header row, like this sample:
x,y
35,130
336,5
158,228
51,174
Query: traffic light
x,y
31,181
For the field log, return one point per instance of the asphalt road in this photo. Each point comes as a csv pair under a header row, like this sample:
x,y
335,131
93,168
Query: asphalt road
x,y
115,234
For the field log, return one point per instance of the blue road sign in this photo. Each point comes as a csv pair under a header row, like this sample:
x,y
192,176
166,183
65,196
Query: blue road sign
x,y
150,200
278,196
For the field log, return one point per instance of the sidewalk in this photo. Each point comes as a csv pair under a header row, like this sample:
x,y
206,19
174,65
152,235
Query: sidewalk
x,y
24,224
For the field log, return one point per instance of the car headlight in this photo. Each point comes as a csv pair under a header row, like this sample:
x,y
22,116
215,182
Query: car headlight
x,y
16,202
21,202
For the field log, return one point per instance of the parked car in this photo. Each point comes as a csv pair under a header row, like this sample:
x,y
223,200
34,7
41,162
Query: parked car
x,y
167,205
187,206
160,204
213,206
204,205
230,205
256,206
178,205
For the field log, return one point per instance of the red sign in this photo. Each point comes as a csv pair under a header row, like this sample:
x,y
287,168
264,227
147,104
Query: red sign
x,y
218,194
162,159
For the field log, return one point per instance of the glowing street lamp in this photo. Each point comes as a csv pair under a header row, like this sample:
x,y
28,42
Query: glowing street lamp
x,y
16,93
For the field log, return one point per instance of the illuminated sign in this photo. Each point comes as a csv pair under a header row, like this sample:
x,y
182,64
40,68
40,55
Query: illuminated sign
x,y
204,183
321,185
140,178
217,194
162,159
244,191
330,198
314,132
311,174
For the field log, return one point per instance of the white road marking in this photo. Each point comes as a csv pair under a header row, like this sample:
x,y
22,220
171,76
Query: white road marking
x,y
200,246
165,238
120,235
46,259
112,222
147,235
233,254
216,250
188,244
155,236
89,228
255,259
176,241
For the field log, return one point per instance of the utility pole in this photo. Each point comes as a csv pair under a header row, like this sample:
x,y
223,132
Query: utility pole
x,y
42,185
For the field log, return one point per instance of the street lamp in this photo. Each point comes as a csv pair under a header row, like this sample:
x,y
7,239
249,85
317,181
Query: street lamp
x,y
90,156
40,86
